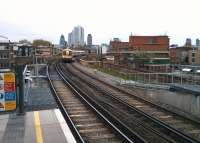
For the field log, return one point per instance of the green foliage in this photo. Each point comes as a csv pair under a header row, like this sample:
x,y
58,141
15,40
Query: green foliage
x,y
114,73
41,42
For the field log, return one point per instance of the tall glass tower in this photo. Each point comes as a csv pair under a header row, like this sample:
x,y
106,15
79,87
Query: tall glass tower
x,y
62,41
76,37
89,40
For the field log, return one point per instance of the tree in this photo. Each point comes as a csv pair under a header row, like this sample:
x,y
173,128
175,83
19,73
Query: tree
x,y
41,42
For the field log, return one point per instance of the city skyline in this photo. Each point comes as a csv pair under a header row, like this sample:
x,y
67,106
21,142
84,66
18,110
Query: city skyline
x,y
104,19
76,36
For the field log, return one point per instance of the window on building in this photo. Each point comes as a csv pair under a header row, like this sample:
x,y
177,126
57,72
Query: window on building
x,y
7,65
2,47
4,56
152,41
193,54
125,49
193,60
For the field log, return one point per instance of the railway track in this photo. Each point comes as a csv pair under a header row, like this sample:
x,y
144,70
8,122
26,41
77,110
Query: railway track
x,y
173,126
86,122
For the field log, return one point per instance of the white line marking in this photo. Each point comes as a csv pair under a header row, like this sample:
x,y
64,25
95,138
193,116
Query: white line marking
x,y
67,132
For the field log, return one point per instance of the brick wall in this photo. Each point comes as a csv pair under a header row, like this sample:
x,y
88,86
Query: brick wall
x,y
149,43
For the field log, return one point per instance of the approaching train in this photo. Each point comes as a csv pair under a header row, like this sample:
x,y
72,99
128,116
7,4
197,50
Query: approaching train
x,y
69,55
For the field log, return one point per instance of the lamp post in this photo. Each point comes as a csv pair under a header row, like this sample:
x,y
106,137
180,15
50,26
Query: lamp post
x,y
35,60
20,87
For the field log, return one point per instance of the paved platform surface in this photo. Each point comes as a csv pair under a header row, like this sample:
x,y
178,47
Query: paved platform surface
x,y
42,122
45,126
40,96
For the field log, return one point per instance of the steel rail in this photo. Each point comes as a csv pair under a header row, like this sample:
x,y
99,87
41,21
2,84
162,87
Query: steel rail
x,y
66,116
122,129
97,88
168,127
135,96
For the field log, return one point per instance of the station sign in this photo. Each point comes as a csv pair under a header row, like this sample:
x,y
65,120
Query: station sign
x,y
7,91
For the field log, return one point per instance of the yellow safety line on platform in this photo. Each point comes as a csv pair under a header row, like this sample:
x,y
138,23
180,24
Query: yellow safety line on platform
x,y
38,130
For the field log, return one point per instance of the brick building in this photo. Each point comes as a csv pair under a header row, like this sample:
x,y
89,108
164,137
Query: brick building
x,y
186,55
44,51
117,49
147,52
149,43
6,54
23,53
179,55
173,55
194,56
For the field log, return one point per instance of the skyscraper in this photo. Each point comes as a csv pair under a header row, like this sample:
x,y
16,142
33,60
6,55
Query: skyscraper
x,y
76,37
78,33
188,42
70,39
62,41
89,40
197,42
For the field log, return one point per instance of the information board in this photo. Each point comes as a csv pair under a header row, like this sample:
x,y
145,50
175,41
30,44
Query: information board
x,y
7,91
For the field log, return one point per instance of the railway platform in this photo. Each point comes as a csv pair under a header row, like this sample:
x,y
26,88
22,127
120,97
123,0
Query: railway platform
x,y
42,121
44,126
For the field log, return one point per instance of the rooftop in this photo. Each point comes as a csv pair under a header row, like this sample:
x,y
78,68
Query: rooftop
x,y
4,39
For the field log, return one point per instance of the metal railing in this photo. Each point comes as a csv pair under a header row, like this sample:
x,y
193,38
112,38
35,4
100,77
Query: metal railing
x,y
30,72
38,70
27,79
160,80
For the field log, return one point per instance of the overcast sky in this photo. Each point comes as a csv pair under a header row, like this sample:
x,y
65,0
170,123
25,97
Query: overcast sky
x,y
104,19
